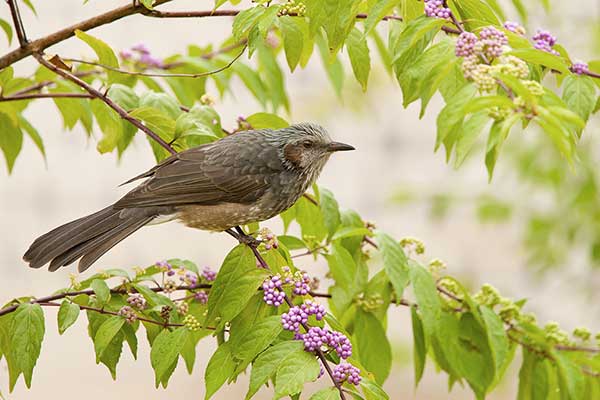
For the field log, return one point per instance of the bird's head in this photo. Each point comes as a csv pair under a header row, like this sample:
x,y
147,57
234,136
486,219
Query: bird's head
x,y
307,147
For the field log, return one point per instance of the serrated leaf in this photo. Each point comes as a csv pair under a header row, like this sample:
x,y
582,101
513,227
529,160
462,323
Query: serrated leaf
x,y
261,335
220,367
296,369
358,51
579,93
372,346
330,210
541,57
101,290
67,315
237,281
263,120
269,362
165,353
293,40
419,346
106,333
105,54
395,262
11,140
27,333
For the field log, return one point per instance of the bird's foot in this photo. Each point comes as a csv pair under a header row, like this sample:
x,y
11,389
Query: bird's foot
x,y
244,238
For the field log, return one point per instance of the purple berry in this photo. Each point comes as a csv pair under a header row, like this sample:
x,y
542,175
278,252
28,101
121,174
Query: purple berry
x,y
273,291
492,40
201,296
465,44
302,285
514,27
579,68
141,48
544,41
436,9
209,274
316,338
125,54
346,372
137,301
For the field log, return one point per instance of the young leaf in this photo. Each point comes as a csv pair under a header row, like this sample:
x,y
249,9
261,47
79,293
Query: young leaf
x,y
165,353
380,9
263,120
497,340
101,290
330,210
428,300
541,57
372,345
11,140
27,333
326,394
295,370
106,333
419,345
236,283
358,51
395,262
579,93
268,363
7,28
292,40
261,335
105,54
220,367
67,315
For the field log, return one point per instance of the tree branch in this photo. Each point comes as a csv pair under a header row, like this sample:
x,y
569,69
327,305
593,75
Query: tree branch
x,y
97,94
45,96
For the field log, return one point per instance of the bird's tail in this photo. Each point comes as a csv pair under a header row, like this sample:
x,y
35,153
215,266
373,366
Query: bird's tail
x,y
87,238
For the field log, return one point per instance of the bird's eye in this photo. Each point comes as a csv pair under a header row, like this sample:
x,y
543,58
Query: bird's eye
x,y
307,144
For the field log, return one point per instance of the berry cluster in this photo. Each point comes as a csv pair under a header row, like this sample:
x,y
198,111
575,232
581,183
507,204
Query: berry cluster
x,y
513,66
137,301
491,42
514,27
436,9
298,315
346,372
580,68
292,8
273,291
316,338
201,296
128,313
465,45
268,239
182,307
209,274
302,284
191,322
544,41
170,286
141,56
165,312
556,335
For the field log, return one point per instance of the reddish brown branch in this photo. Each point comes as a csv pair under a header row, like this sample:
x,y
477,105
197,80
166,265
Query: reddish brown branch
x,y
97,94
46,96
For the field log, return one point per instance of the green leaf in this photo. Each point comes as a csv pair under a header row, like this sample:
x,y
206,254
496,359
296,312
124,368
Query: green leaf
x,y
541,57
330,210
147,3
451,117
124,96
101,290
272,77
11,140
419,345
112,352
372,346
296,369
162,102
33,134
269,362
237,281
326,394
261,335
358,51
579,93
252,80
395,262
497,340
106,333
220,367
570,377
27,333
310,219
7,28
67,315
245,21
263,120
160,123
293,40
475,13
105,54
427,297
380,9
110,125
498,134
372,390
165,353
471,130
333,66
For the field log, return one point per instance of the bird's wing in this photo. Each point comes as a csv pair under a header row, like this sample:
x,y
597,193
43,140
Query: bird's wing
x,y
229,170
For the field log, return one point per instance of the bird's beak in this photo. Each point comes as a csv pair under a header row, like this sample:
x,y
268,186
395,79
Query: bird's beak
x,y
337,146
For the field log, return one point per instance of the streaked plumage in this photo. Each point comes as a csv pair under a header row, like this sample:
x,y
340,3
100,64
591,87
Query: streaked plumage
x,y
246,177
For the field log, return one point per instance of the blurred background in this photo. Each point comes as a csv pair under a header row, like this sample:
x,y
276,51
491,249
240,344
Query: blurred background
x,y
534,232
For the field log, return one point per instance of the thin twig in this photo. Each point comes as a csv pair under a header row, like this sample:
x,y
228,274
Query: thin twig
x,y
17,22
46,96
158,74
97,94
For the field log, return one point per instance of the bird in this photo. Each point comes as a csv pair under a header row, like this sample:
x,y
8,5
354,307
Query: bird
x,y
246,177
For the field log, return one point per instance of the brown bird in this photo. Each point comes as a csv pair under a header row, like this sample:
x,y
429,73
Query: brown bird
x,y
247,177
